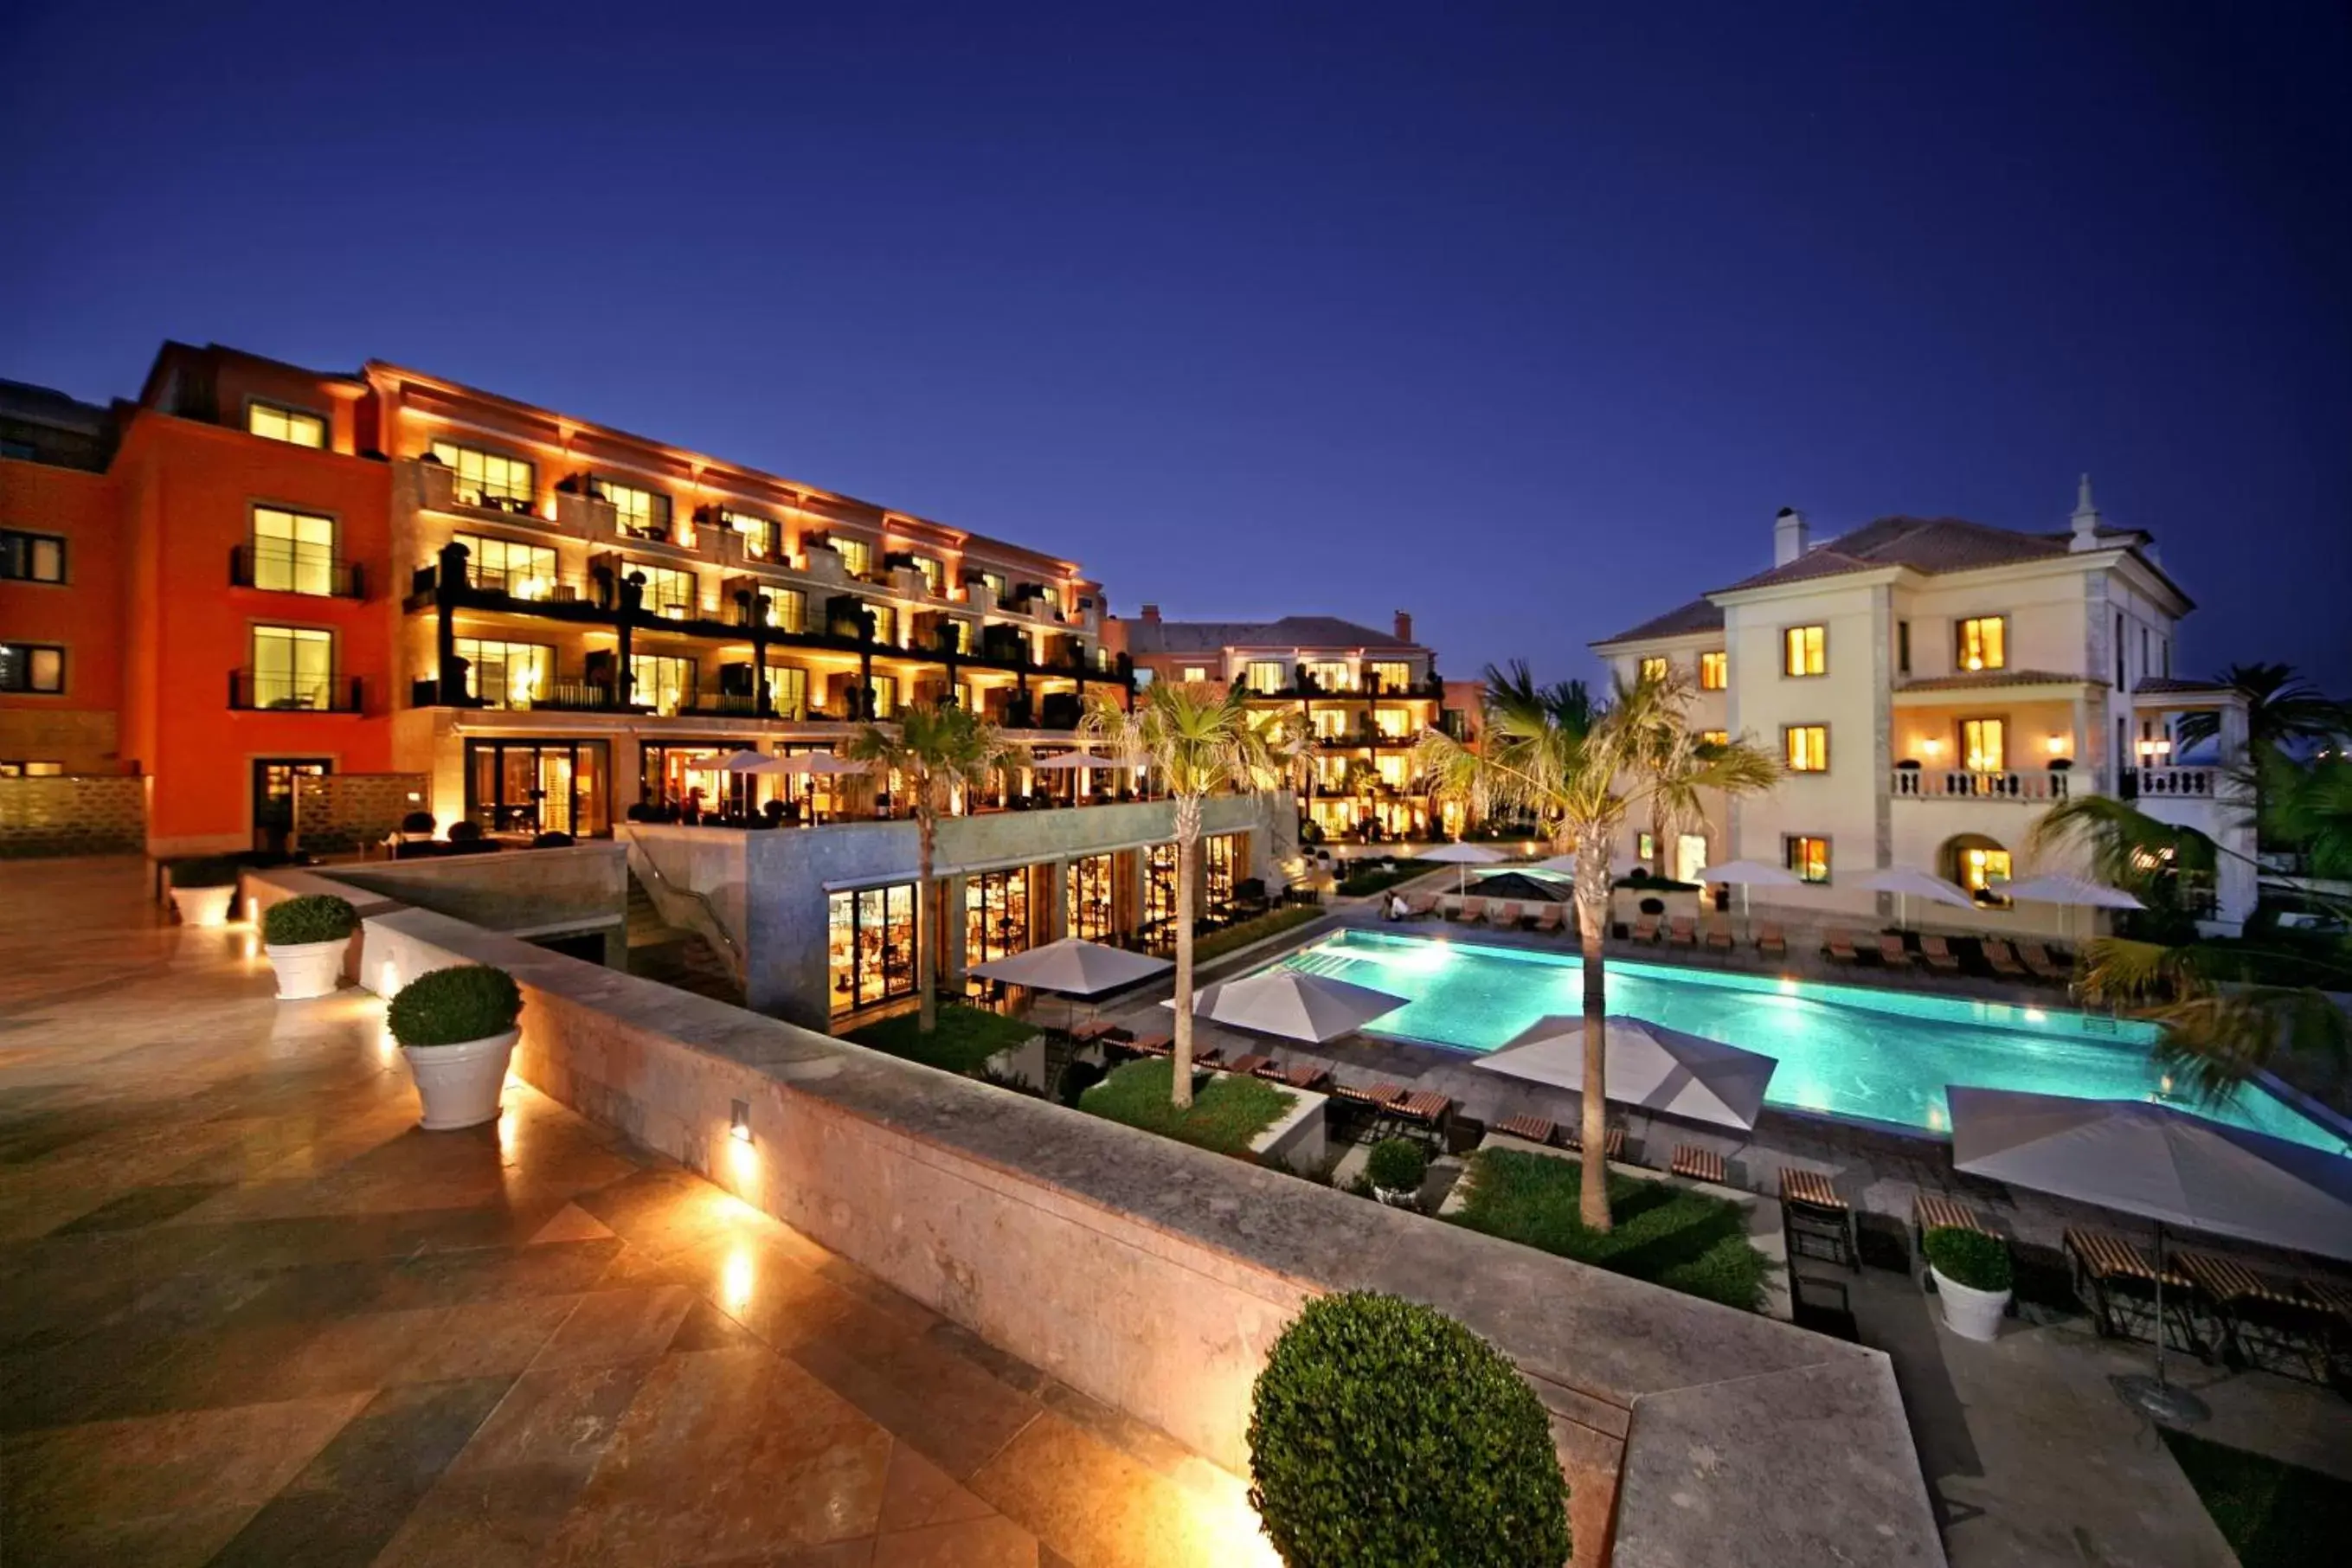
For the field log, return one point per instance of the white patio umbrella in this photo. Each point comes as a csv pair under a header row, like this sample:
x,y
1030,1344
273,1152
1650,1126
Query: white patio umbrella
x,y
1073,967
1462,855
824,765
1747,874
1650,1066
1315,1008
745,762
1906,884
2164,1165
2065,888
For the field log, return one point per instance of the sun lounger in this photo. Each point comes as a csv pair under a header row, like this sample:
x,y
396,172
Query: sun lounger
x,y
1814,1220
1251,1065
1534,1128
1210,1061
1450,906
1838,946
1935,1211
2260,1321
1698,1164
1938,955
2004,962
1503,916
2334,1296
1424,1109
1419,906
1151,1045
1718,937
1376,1095
1612,1148
1682,931
1548,918
2116,1283
1892,952
1473,910
1772,942
1646,929
2037,959
1307,1075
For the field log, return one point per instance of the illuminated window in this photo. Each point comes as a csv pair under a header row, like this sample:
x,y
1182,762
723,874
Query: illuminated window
x,y
871,946
1651,669
933,572
1805,651
1332,675
1390,675
22,769
857,555
506,674
1392,771
787,609
1645,847
1395,723
1808,748
759,534
1715,737
1265,675
1330,723
995,587
293,551
487,478
663,682
293,666
1984,745
885,696
1902,647
291,426
1983,643
788,691
1714,671
31,557
640,512
502,566
1808,856
1194,672
1984,872
668,591
32,666
886,624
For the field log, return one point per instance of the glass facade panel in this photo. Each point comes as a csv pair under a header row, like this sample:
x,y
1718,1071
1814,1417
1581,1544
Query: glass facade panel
x,y
503,566
663,682
487,478
1265,675
996,915
293,551
288,424
856,554
1089,897
788,690
668,591
871,946
293,666
505,674
539,786
641,512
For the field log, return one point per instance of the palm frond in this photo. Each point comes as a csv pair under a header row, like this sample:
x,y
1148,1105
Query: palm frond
x,y
2218,1040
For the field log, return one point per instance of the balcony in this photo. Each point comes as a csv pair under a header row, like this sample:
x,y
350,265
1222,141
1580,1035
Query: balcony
x,y
1966,784
281,569
439,489
2172,783
278,691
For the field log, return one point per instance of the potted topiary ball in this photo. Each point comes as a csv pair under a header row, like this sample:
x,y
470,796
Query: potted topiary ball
x,y
1396,1168
306,940
1973,1276
1384,1432
203,888
457,1027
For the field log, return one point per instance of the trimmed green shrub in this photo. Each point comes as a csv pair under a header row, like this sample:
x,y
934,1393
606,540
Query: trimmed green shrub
x,y
1384,1434
450,1006
1969,1257
204,871
314,917
1398,1165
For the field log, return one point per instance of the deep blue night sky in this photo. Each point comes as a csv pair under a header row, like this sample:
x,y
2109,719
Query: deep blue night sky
x,y
1527,323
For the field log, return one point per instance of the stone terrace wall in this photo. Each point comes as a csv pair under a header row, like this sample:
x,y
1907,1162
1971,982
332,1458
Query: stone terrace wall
x,y
74,814
339,814
1155,1276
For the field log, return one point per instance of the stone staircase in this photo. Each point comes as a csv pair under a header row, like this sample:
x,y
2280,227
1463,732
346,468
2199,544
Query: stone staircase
x,y
685,959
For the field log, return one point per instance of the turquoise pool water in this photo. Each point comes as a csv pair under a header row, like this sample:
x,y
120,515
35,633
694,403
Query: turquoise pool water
x,y
1845,1051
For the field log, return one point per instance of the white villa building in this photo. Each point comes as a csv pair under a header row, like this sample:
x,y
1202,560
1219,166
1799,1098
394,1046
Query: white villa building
x,y
1932,686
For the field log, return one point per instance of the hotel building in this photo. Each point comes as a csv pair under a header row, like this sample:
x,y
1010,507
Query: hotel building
x,y
255,572
1365,695
1931,687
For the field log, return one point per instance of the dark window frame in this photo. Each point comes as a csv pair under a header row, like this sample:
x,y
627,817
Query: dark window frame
x,y
16,545
25,687
1789,858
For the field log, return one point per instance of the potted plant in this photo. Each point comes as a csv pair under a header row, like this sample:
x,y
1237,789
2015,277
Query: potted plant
x,y
1396,1169
1973,1276
203,888
306,938
1379,1426
457,1027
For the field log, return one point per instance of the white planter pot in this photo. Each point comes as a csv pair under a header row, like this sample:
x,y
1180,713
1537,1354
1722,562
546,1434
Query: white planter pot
x,y
308,969
203,906
1970,1313
1398,1197
459,1084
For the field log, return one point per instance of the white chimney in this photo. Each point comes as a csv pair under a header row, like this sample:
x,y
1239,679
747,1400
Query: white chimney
x,y
1788,536
2086,519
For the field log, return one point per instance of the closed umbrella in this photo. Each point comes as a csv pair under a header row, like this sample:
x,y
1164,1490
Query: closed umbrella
x,y
1906,884
2065,888
1649,1065
1297,1006
1747,874
2164,1165
1465,856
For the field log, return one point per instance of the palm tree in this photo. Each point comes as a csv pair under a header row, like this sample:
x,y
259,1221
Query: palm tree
x,y
1199,738
933,748
1580,770
2126,848
2311,808
2285,714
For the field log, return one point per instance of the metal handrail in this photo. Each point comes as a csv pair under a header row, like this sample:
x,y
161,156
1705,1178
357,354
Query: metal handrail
x,y
734,953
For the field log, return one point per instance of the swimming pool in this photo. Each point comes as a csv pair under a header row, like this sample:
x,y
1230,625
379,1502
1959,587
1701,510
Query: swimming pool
x,y
1844,1050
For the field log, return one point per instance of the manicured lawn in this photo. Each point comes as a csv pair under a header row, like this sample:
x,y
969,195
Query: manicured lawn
x,y
1232,938
2273,1514
1666,1234
1364,882
966,1038
1225,1115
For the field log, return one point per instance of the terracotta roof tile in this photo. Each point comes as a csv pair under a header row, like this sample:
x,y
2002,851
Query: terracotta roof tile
x,y
1698,615
1930,544
1144,638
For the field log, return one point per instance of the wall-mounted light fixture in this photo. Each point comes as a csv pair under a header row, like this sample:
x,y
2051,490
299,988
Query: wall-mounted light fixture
x,y
738,1120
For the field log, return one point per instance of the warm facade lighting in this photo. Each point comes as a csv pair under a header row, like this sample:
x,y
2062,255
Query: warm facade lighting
x,y
738,1120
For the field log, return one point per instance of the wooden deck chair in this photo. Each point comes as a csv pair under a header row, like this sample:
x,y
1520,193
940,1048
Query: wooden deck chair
x,y
1938,955
1773,942
1646,929
2037,959
1718,936
1892,952
1838,947
2004,962
1682,931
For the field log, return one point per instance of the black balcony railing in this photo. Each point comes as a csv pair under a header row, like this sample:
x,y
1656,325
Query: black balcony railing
x,y
272,691
284,569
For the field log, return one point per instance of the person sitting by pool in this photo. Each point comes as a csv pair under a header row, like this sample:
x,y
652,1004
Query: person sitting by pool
x,y
1395,910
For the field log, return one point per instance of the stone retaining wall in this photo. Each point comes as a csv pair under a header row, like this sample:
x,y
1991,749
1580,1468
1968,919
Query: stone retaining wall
x,y
72,814
340,814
